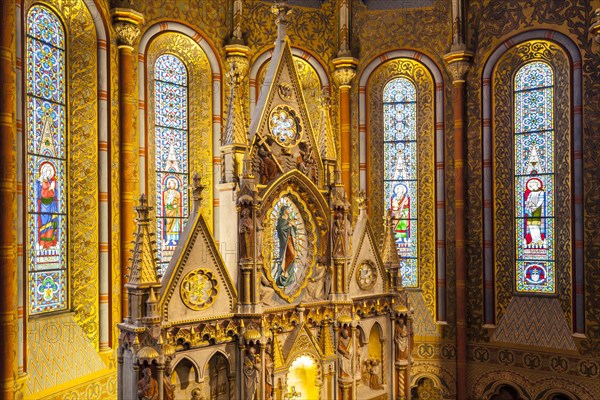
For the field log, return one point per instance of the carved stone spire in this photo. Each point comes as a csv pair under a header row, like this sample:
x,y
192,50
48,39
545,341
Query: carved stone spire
x,y
389,253
235,125
143,261
282,10
326,137
197,188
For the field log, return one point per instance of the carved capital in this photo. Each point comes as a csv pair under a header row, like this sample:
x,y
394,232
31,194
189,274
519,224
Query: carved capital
x,y
127,26
459,63
345,70
595,28
237,59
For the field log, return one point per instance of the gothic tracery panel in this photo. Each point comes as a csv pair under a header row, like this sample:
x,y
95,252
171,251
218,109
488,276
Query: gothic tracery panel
x,y
388,133
171,135
47,175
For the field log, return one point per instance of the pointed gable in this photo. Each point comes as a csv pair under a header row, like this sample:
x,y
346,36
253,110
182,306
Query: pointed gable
x,y
281,95
197,284
365,251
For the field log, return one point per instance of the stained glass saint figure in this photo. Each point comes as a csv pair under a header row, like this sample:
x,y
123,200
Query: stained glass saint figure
x,y
401,213
172,202
47,192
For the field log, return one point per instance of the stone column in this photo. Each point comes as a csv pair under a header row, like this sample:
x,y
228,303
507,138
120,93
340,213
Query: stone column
x,y
8,201
458,65
345,70
127,26
160,378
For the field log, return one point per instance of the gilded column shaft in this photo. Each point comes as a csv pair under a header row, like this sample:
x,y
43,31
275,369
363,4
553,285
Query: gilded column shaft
x,y
458,64
126,23
344,73
8,205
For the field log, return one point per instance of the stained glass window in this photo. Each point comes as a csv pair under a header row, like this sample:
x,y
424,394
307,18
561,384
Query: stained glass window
x,y
172,203
534,178
400,171
46,162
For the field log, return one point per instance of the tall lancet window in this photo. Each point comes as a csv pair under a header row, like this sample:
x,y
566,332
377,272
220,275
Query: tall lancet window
x,y
171,113
400,166
47,177
534,178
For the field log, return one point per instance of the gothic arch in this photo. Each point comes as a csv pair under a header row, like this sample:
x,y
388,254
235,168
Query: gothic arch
x,y
570,49
215,120
230,364
488,383
296,178
433,283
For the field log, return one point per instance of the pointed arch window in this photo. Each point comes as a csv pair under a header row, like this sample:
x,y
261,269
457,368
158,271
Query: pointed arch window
x,y
400,166
46,148
172,171
534,177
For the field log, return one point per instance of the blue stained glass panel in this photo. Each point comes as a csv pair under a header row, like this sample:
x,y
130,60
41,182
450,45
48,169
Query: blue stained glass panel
x,y
44,25
534,152
46,64
534,75
536,277
400,120
47,291
533,110
399,164
171,150
171,105
45,128
399,90
169,68
534,178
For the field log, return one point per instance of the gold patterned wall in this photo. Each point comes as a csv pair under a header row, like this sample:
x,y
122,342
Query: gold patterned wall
x,y
199,115
427,30
420,76
83,163
504,203
490,24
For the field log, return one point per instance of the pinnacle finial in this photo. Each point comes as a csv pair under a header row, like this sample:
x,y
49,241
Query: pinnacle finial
x,y
282,10
143,209
234,76
197,188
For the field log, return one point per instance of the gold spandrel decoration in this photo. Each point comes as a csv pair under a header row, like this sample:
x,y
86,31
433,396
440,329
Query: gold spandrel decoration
x,y
284,125
199,289
200,113
417,73
504,230
366,276
289,244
